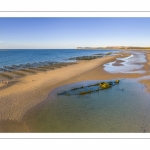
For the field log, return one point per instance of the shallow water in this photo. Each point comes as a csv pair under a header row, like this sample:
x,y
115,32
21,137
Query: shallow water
x,y
123,108
131,64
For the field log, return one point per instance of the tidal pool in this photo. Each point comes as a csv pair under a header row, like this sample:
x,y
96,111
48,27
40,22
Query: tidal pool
x,y
132,64
123,108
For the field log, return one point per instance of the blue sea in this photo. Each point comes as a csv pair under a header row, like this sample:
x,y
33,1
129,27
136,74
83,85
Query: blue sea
x,y
124,108
31,56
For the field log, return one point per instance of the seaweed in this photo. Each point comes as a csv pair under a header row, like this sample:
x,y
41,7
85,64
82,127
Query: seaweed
x,y
6,76
19,73
79,90
30,71
38,69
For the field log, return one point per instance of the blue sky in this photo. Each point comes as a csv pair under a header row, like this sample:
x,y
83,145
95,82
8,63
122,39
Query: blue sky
x,y
73,32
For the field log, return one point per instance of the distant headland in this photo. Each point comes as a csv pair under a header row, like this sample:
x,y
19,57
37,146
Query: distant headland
x,y
117,47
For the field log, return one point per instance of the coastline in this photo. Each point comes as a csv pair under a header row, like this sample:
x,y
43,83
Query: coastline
x,y
31,90
146,82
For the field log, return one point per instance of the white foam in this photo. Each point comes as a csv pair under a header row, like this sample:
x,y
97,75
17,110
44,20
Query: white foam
x,y
130,64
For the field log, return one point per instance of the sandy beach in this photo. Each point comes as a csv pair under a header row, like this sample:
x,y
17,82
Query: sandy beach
x,y
24,93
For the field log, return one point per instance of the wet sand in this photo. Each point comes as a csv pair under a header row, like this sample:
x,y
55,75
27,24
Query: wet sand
x,y
24,93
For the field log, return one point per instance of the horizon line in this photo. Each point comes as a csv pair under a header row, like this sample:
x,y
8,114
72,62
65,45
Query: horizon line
x,y
84,47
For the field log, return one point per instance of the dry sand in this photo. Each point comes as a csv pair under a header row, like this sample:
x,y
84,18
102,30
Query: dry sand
x,y
27,92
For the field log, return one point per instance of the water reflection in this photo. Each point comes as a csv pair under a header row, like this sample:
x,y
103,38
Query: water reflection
x,y
122,108
131,64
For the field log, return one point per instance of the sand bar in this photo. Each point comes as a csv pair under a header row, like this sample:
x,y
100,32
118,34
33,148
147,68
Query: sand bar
x,y
27,92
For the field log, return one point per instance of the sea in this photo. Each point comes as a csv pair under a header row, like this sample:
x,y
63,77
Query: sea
x,y
43,56
124,108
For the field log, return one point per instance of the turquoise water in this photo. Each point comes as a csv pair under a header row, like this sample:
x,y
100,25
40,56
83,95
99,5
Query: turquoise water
x,y
123,108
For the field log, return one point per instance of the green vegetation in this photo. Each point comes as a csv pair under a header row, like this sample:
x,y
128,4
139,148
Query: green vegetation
x,y
105,85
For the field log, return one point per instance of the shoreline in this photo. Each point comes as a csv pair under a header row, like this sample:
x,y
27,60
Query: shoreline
x,y
34,89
